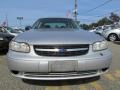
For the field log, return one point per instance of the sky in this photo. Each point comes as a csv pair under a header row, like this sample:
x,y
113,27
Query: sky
x,y
31,10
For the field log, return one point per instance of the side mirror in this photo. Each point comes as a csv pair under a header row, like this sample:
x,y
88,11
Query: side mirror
x,y
28,28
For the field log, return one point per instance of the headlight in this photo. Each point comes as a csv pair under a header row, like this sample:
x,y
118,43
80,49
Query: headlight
x,y
98,46
19,47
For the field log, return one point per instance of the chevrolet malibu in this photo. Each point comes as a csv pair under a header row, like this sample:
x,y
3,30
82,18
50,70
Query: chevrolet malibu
x,y
57,49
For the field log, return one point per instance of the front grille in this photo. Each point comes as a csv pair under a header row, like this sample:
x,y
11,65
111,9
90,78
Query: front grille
x,y
61,50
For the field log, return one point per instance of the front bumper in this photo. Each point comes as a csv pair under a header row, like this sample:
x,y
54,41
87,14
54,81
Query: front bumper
x,y
40,68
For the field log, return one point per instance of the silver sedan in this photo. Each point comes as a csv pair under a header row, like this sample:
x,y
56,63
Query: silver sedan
x,y
57,49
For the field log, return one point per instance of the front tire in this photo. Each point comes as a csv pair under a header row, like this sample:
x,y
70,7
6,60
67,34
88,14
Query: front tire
x,y
112,37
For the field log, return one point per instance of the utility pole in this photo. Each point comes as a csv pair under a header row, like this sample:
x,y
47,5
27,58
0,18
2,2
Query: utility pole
x,y
7,20
75,10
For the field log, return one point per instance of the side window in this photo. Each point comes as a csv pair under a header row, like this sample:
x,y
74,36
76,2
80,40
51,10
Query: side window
x,y
36,25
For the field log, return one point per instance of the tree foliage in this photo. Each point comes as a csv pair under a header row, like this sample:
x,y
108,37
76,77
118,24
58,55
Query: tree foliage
x,y
104,21
114,17
84,26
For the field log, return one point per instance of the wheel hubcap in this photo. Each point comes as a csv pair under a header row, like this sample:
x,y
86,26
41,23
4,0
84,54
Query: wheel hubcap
x,y
112,38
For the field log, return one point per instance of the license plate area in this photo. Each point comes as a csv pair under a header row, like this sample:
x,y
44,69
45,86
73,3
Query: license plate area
x,y
62,66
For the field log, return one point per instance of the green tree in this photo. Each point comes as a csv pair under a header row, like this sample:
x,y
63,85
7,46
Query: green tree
x,y
114,17
104,21
84,26
93,25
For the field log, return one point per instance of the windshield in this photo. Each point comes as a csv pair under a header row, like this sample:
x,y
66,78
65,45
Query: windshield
x,y
59,23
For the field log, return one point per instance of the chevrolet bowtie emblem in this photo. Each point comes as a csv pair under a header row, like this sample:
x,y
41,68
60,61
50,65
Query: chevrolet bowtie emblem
x,y
62,50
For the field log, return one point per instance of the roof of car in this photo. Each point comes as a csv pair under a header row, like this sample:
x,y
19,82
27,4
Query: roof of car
x,y
55,18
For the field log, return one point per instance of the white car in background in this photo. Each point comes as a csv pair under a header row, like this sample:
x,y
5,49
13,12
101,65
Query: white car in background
x,y
101,29
10,31
112,34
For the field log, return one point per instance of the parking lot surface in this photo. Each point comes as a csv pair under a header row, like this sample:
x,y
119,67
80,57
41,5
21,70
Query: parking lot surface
x,y
108,81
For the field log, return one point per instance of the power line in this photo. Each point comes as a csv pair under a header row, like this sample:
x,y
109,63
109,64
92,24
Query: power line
x,y
101,15
104,14
90,10
108,13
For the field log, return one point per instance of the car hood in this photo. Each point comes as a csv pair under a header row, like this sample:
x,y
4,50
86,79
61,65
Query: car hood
x,y
44,37
14,34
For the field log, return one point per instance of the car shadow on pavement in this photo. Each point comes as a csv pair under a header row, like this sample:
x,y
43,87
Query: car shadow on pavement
x,y
61,82
3,52
117,42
